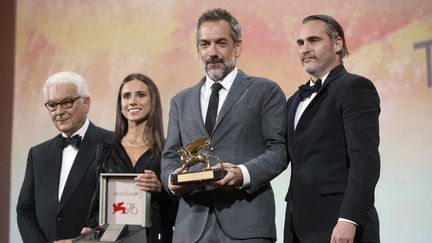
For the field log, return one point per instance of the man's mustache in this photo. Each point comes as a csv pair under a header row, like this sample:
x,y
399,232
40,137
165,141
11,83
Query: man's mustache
x,y
214,60
303,57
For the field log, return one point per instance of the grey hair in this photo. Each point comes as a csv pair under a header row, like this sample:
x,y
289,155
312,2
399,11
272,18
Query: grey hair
x,y
216,15
66,77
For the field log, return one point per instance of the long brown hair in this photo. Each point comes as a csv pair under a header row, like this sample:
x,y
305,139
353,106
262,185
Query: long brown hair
x,y
154,133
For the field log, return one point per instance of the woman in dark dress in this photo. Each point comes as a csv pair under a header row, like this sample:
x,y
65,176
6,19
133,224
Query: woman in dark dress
x,y
139,140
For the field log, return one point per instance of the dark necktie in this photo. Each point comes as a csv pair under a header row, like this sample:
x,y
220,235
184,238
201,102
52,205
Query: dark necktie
x,y
74,141
306,90
212,108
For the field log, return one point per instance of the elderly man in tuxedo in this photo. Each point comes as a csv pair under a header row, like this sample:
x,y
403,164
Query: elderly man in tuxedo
x,y
245,118
332,139
60,176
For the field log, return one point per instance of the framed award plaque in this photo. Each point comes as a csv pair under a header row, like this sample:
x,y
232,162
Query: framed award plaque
x,y
121,201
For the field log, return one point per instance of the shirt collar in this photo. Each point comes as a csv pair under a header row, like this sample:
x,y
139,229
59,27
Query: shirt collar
x,y
226,82
322,80
80,131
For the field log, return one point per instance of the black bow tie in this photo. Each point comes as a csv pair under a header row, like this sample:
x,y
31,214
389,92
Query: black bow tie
x,y
306,90
74,141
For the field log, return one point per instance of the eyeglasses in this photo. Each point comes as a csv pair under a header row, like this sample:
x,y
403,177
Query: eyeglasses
x,y
66,103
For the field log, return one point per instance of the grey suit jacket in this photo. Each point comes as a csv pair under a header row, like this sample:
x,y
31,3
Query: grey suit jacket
x,y
41,216
249,130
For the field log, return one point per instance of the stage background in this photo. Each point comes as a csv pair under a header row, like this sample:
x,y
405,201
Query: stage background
x,y
105,40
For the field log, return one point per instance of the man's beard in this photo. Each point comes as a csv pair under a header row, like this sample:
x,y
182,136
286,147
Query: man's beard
x,y
321,66
217,74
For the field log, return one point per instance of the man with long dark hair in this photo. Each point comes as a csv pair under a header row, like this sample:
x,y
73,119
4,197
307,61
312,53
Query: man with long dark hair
x,y
332,139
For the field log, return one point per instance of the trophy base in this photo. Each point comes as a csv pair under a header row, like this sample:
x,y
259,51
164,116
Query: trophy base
x,y
114,233
198,176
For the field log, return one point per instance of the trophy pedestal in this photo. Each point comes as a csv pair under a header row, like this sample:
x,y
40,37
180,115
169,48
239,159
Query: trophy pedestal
x,y
115,233
197,176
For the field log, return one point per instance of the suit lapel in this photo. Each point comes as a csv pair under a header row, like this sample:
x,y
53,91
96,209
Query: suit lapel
x,y
292,109
82,162
52,167
333,75
240,84
196,106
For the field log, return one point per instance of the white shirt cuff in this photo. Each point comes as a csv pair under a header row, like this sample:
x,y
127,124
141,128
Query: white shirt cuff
x,y
246,176
347,220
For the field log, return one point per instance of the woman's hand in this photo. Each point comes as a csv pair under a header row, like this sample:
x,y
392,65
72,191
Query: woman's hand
x,y
148,182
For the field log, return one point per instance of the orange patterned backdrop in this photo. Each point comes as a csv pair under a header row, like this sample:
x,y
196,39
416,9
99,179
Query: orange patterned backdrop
x,y
104,40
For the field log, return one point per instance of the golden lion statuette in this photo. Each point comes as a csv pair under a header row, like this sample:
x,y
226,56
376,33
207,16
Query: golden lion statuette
x,y
192,154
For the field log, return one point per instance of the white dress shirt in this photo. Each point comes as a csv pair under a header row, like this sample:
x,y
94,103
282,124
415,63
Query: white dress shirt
x,y
205,98
206,91
68,158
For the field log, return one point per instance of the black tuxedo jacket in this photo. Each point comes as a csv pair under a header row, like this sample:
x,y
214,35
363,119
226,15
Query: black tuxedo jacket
x,y
335,160
41,216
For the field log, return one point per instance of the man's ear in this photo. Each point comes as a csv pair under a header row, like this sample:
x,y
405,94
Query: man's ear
x,y
338,44
87,102
238,46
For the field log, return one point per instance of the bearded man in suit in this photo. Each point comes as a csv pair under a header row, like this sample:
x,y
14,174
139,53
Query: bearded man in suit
x,y
60,176
332,141
247,134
